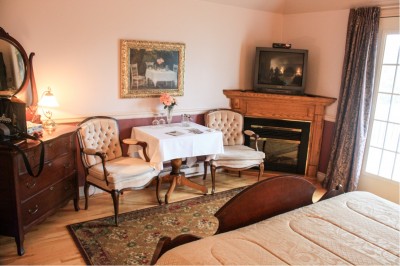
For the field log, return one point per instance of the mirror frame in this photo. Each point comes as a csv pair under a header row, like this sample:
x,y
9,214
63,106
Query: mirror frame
x,y
6,37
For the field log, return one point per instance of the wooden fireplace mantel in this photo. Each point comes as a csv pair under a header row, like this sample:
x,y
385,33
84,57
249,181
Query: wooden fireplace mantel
x,y
286,107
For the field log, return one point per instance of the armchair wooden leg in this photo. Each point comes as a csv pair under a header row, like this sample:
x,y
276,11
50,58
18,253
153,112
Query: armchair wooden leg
x,y
115,197
213,170
261,171
86,191
158,185
205,169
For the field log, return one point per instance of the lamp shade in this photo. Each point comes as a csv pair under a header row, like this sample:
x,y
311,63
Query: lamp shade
x,y
48,100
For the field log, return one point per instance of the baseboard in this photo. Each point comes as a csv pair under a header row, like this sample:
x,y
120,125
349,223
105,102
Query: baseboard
x,y
92,191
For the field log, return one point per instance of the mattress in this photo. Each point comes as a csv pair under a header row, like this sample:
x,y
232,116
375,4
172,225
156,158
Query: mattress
x,y
353,228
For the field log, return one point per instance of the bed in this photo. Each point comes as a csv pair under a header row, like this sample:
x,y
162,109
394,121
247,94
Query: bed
x,y
275,222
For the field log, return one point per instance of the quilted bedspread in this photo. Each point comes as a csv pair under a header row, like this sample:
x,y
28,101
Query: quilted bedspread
x,y
354,228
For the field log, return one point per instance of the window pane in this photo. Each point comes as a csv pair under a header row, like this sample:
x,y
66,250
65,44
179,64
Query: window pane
x,y
392,137
387,164
374,159
382,106
397,83
382,156
395,109
387,79
396,171
391,49
378,134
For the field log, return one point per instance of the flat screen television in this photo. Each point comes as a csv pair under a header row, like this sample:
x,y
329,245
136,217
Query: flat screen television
x,y
281,71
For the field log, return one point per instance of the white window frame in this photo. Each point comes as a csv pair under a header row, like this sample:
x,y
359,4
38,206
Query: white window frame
x,y
387,26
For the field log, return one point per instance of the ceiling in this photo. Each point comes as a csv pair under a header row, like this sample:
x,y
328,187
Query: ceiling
x,y
304,6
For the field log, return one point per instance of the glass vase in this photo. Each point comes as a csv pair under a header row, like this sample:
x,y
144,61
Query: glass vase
x,y
169,115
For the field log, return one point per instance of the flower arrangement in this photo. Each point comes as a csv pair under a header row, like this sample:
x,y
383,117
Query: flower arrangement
x,y
168,101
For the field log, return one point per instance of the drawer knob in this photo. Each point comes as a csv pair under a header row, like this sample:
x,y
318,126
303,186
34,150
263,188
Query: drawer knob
x,y
31,184
51,188
34,210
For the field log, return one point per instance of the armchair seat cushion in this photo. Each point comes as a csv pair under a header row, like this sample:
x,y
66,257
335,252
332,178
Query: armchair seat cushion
x,y
240,152
123,172
238,156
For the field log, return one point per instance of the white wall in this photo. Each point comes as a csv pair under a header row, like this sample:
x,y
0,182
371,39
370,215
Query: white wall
x,y
324,35
77,49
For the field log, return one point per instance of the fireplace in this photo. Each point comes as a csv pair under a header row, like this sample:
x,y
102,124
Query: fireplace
x,y
307,108
284,142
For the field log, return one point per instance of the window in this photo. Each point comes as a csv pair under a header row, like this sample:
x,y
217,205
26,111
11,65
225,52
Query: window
x,y
383,148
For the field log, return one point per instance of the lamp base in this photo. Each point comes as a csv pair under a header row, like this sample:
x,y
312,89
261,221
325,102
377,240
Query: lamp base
x,y
49,125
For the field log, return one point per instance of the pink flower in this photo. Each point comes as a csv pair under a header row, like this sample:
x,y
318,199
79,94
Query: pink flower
x,y
167,100
160,61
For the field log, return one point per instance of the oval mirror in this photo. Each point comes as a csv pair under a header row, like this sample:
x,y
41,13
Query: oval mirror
x,y
14,66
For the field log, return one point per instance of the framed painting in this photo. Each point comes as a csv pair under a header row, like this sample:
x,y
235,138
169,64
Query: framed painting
x,y
151,68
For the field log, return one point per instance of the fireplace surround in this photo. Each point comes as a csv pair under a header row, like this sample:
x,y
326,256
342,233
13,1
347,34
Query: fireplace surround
x,y
303,108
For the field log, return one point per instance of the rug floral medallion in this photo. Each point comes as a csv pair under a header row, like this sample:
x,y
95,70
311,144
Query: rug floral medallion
x,y
134,241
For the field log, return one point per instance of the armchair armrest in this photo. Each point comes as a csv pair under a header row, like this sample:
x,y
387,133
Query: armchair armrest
x,y
251,133
90,151
142,144
102,155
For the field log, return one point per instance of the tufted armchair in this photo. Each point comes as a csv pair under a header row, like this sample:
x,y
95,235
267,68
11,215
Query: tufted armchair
x,y
105,167
236,156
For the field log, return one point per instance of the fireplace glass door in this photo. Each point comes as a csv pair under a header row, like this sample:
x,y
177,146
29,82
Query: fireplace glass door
x,y
284,142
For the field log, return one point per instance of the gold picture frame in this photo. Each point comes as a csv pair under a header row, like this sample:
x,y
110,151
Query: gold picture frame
x,y
150,68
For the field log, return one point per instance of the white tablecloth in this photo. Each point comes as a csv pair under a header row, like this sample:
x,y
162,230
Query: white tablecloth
x,y
181,144
161,75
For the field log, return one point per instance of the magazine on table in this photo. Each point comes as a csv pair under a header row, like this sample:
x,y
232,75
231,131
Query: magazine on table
x,y
194,130
175,133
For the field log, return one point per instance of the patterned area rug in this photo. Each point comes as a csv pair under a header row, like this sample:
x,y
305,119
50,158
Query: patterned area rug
x,y
134,241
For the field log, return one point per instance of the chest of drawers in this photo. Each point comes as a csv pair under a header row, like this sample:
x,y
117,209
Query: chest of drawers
x,y
25,200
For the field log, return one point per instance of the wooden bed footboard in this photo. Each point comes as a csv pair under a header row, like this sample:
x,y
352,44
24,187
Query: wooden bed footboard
x,y
333,193
257,202
263,200
166,243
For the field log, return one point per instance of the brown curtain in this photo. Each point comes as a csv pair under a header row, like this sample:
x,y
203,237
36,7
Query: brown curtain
x,y
355,100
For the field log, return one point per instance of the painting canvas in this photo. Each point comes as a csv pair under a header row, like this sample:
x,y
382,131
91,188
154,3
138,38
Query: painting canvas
x,y
151,68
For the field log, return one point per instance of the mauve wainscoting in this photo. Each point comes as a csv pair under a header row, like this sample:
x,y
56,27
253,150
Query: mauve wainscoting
x,y
326,145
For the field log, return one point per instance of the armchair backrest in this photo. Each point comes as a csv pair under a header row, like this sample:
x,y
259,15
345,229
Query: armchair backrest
x,y
229,122
100,133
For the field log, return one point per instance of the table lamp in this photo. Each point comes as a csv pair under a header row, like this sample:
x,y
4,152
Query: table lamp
x,y
48,100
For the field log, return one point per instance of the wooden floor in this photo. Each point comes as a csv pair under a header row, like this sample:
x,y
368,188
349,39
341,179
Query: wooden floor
x,y
51,243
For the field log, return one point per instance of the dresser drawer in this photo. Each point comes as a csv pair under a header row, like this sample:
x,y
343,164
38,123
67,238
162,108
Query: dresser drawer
x,y
53,172
47,200
58,147
52,149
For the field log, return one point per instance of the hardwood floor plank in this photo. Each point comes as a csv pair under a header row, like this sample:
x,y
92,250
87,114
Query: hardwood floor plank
x,y
50,243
